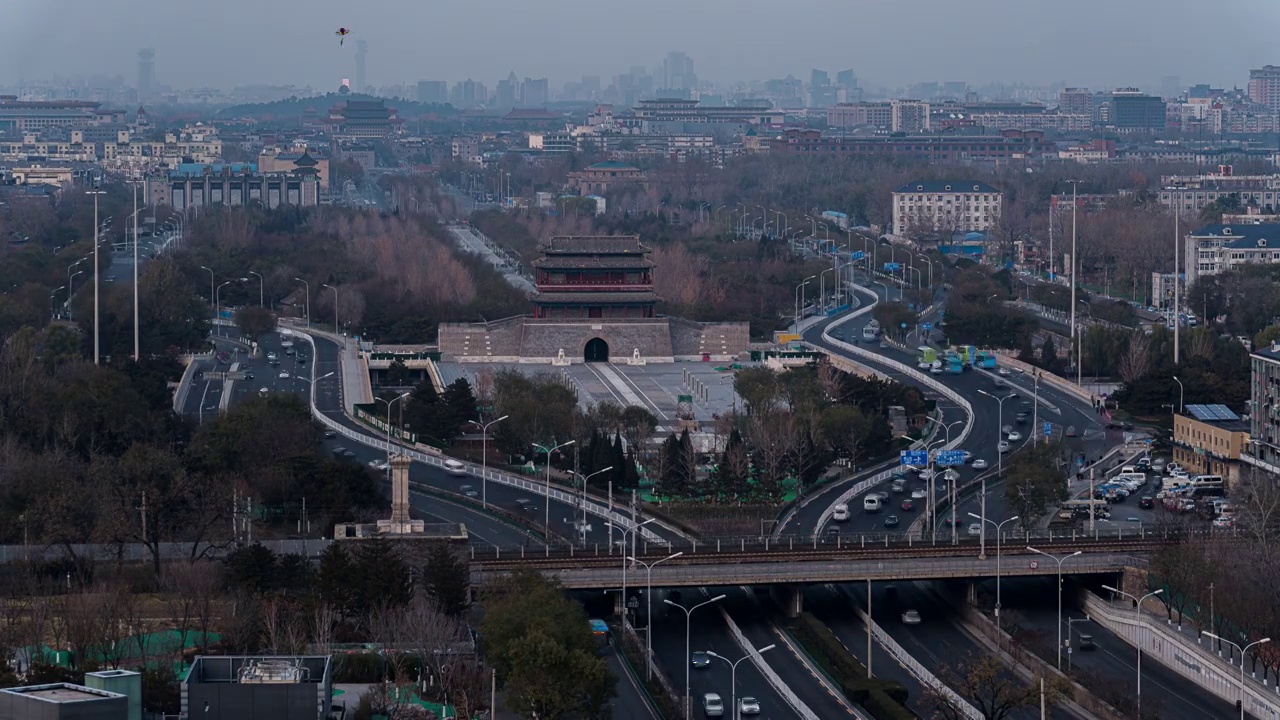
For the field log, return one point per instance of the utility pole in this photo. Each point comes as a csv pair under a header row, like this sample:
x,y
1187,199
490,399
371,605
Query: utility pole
x,y
1075,186
235,515
136,353
144,517
97,335
1177,318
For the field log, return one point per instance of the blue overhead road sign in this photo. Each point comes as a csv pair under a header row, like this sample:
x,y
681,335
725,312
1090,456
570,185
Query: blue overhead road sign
x,y
948,458
857,255
914,457
1048,429
892,266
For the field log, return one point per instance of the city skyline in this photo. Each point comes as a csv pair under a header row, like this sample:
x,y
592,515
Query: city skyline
x,y
751,41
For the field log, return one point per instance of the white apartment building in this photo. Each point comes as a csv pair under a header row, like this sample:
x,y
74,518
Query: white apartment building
x,y
945,206
1191,193
1215,249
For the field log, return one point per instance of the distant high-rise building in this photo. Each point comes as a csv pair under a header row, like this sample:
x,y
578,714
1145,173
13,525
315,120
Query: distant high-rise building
x,y
1076,101
507,91
146,73
1264,86
1134,110
362,52
468,94
534,93
677,72
819,78
846,79
955,89
433,91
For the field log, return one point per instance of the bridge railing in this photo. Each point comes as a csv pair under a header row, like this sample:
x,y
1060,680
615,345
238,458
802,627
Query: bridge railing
x,y
1012,544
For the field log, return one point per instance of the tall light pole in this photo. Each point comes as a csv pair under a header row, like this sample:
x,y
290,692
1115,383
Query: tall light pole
x,y
52,312
335,307
97,339
262,287
547,487
136,352
1059,561
799,290
733,675
484,457
623,554
212,301
999,529
1182,393
999,466
389,403
688,617
217,295
1242,650
1137,629
1177,319
648,599
71,291
307,285
1075,185
586,478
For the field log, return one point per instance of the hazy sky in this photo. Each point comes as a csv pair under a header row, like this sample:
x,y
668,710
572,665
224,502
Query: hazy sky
x,y
223,43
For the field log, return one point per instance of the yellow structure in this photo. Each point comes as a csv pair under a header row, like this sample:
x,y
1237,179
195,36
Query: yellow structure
x,y
1209,445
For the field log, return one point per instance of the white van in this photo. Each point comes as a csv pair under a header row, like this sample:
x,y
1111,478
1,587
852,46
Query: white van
x,y
453,467
872,503
840,513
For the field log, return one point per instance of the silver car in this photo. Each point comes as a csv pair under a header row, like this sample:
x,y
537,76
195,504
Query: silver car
x,y
748,706
979,464
911,617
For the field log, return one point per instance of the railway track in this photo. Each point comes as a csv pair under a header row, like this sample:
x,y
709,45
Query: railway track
x,y
539,560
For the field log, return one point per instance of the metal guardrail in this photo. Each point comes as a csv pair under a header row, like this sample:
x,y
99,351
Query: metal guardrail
x,y
437,459
921,673
184,385
770,676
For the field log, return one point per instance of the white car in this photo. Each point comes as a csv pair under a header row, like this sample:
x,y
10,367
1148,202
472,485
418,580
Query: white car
x,y
979,464
712,705
840,513
284,375
379,465
1003,447
1004,372
919,494
1015,436
911,617
871,503
975,529
453,467
936,370
748,706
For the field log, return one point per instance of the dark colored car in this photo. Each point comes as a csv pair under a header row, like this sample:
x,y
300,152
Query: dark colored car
x,y
1146,502
1086,643
891,521
908,505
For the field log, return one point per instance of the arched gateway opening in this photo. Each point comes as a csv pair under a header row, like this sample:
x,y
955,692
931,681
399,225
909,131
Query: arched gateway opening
x,y
597,351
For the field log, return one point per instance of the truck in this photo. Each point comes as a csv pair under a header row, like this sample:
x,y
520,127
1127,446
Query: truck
x,y
871,331
927,356
985,359
967,353
954,363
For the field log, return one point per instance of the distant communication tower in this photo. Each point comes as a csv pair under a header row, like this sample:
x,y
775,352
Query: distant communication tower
x,y
146,73
362,51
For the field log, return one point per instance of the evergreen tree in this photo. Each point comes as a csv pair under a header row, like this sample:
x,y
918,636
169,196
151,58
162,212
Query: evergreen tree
x,y
380,578
334,579
734,470
447,579
459,409
621,472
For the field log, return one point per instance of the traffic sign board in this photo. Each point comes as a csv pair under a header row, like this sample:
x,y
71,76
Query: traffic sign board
x,y
857,255
892,266
1048,429
1034,564
927,326
913,457
948,458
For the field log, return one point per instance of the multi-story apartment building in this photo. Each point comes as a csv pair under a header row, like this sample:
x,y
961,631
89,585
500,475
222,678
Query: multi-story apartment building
x,y
1264,406
1076,101
690,111
909,116
1008,145
1215,249
1189,194
196,185
1264,86
945,207
906,116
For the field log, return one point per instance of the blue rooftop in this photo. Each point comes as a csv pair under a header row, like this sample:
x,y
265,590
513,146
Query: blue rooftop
x,y
1251,235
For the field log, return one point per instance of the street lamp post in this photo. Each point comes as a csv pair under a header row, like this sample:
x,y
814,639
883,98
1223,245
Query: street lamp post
x,y
97,339
484,457
582,532
547,487
625,532
1059,561
688,618
262,285
211,281
307,285
648,617
999,531
136,352
1242,650
733,675
52,312
217,295
389,403
1182,393
1137,640
799,290
71,291
1075,186
335,307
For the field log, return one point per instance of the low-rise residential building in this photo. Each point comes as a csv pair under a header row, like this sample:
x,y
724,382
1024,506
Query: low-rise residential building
x,y
1008,145
1264,406
605,177
1209,439
1190,194
1215,249
943,207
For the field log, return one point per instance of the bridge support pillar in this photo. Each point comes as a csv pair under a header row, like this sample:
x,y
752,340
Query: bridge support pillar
x,y
971,593
790,598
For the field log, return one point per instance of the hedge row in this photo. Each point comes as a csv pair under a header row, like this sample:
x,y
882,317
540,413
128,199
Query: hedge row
x,y
633,655
884,699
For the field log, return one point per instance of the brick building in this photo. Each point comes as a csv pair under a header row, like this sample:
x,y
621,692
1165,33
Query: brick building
x,y
607,176
594,301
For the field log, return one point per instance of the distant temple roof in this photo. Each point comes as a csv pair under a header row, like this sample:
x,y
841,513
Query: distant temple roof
x,y
593,298
594,245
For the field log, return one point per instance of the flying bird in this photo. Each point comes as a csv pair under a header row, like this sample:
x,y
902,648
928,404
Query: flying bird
x,y
342,34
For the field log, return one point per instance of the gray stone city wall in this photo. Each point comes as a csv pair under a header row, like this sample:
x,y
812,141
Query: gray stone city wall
x,y
722,341
495,341
543,339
